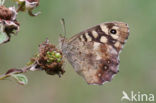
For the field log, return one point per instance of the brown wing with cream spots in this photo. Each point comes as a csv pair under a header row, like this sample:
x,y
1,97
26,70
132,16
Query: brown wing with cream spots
x,y
94,53
118,33
113,33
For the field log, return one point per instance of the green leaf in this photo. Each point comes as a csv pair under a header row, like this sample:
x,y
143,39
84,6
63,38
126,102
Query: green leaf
x,y
3,37
21,79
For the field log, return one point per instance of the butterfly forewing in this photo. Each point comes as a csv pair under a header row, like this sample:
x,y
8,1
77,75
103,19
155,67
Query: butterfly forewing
x,y
94,52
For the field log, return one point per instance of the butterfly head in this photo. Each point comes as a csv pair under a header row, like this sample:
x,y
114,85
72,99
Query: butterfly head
x,y
61,40
63,44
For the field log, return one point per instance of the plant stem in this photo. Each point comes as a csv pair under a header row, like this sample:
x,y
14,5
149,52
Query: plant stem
x,y
15,71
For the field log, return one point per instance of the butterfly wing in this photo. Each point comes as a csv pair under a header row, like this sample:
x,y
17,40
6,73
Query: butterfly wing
x,y
94,53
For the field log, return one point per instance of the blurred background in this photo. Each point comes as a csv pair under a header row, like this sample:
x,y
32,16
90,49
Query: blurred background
x,y
137,60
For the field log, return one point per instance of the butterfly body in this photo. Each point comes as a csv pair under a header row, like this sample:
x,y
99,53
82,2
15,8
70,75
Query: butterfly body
x,y
94,53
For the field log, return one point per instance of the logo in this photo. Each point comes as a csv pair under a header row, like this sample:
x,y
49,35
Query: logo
x,y
137,97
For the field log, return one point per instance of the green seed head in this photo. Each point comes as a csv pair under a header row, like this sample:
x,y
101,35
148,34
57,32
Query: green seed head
x,y
58,60
58,55
53,56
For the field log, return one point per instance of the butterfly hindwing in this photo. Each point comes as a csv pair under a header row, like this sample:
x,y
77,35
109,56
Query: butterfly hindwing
x,y
94,53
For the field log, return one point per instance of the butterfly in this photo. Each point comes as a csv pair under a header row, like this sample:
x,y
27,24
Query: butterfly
x,y
94,52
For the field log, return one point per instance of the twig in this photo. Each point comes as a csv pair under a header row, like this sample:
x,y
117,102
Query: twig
x,y
15,71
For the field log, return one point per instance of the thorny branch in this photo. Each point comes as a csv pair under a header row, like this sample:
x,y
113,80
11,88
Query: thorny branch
x,y
14,71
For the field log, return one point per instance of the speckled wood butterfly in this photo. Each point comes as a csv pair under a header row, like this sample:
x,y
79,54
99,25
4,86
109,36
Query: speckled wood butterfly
x,y
94,52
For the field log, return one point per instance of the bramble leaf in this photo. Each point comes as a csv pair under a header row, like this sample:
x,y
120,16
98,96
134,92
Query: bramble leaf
x,y
21,79
3,37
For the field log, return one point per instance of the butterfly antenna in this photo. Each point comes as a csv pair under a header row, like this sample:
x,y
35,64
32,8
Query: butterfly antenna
x,y
64,30
63,26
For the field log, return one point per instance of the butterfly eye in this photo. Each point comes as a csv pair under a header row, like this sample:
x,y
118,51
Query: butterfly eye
x,y
113,31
